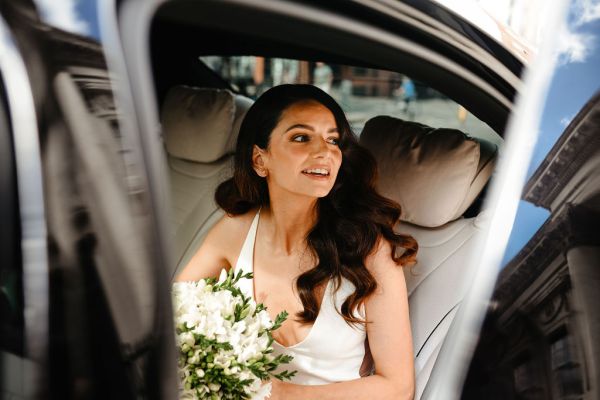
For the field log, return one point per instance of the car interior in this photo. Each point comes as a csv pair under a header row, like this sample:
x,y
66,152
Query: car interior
x,y
437,169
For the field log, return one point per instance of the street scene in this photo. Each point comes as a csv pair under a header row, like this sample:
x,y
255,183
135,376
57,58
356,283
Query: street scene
x,y
363,93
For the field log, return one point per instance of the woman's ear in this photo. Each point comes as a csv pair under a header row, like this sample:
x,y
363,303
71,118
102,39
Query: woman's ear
x,y
258,161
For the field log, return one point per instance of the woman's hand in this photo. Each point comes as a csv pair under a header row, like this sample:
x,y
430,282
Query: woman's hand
x,y
277,389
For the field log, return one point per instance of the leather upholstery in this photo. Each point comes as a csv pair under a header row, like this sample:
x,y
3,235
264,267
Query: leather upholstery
x,y
443,163
437,283
435,174
197,123
200,128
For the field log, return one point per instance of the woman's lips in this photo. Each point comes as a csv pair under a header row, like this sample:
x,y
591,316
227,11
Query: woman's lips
x,y
316,176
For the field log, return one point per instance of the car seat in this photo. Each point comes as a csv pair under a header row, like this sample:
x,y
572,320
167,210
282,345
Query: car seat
x,y
435,175
200,128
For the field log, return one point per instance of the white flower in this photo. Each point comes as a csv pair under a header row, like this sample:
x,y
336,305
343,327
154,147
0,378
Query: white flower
x,y
214,387
249,352
195,359
187,395
263,392
265,320
186,338
222,276
210,315
222,361
262,341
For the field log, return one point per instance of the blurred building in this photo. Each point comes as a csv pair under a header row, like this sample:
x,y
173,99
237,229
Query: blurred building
x,y
371,82
252,75
538,341
523,17
517,24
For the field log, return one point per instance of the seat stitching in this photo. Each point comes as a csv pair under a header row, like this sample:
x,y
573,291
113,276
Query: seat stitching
x,y
434,329
470,224
440,263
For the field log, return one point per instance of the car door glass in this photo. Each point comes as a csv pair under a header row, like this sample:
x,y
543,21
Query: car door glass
x,y
362,92
545,303
102,267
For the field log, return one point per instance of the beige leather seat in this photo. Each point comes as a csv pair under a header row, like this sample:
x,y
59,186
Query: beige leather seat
x,y
200,128
435,175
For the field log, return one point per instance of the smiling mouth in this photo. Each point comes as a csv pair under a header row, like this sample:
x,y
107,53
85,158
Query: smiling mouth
x,y
317,172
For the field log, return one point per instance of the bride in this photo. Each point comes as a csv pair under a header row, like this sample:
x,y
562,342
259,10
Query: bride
x,y
304,217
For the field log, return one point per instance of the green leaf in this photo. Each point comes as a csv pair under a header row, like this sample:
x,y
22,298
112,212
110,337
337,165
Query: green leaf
x,y
285,375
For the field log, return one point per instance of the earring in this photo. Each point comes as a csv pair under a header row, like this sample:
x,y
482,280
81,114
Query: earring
x,y
262,173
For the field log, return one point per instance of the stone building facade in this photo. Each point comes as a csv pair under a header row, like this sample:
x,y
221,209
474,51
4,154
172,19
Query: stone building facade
x,y
540,339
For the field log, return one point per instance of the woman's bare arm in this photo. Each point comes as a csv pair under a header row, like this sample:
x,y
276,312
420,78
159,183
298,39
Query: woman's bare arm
x,y
219,249
390,342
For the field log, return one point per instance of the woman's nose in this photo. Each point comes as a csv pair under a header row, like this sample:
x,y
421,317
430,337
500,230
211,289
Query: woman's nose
x,y
321,148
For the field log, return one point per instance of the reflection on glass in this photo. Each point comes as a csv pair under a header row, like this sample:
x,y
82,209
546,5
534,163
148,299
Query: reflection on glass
x,y
79,17
362,92
525,380
565,367
11,271
546,297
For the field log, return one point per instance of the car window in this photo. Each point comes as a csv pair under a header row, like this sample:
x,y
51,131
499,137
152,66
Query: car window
x,y
102,254
539,339
249,48
362,92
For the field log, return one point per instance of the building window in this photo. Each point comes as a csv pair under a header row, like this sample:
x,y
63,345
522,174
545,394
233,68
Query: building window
x,y
359,91
363,93
524,377
565,367
359,71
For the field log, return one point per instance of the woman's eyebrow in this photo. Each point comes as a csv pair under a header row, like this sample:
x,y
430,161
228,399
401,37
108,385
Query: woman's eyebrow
x,y
308,127
302,126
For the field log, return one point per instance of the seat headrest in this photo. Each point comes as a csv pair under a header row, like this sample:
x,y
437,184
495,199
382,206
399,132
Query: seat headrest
x,y
435,174
201,124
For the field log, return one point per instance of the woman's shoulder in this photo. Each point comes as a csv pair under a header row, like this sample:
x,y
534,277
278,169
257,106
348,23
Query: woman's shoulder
x,y
231,230
388,274
220,248
380,257
237,223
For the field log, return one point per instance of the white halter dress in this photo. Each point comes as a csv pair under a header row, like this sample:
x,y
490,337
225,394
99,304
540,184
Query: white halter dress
x,y
333,351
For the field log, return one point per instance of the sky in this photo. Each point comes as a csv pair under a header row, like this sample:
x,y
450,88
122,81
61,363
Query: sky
x,y
576,80
78,16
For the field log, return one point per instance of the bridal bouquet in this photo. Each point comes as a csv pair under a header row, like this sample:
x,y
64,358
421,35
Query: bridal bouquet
x,y
224,340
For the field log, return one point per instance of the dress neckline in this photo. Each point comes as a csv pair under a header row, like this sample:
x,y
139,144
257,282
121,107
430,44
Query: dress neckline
x,y
250,268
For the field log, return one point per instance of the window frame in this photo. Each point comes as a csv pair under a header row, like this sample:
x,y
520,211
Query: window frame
x,y
27,372
135,26
10,229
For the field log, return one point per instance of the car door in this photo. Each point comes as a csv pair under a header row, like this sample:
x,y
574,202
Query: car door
x,y
421,39
90,315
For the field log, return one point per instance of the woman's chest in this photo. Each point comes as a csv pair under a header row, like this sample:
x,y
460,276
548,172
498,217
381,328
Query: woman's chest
x,y
275,286
275,277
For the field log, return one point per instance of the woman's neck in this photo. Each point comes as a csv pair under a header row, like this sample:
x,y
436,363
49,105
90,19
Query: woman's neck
x,y
288,223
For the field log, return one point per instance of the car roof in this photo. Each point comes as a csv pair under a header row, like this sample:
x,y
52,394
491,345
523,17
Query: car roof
x,y
403,37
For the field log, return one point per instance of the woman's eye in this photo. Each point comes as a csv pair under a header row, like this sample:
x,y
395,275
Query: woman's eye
x,y
300,138
335,141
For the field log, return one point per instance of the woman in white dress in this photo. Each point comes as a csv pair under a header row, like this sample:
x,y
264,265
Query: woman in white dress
x,y
304,217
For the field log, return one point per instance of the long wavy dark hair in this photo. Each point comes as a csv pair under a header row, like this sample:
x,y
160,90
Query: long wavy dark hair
x,y
350,219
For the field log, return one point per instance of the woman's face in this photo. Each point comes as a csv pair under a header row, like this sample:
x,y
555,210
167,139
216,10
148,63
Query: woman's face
x,y
303,156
